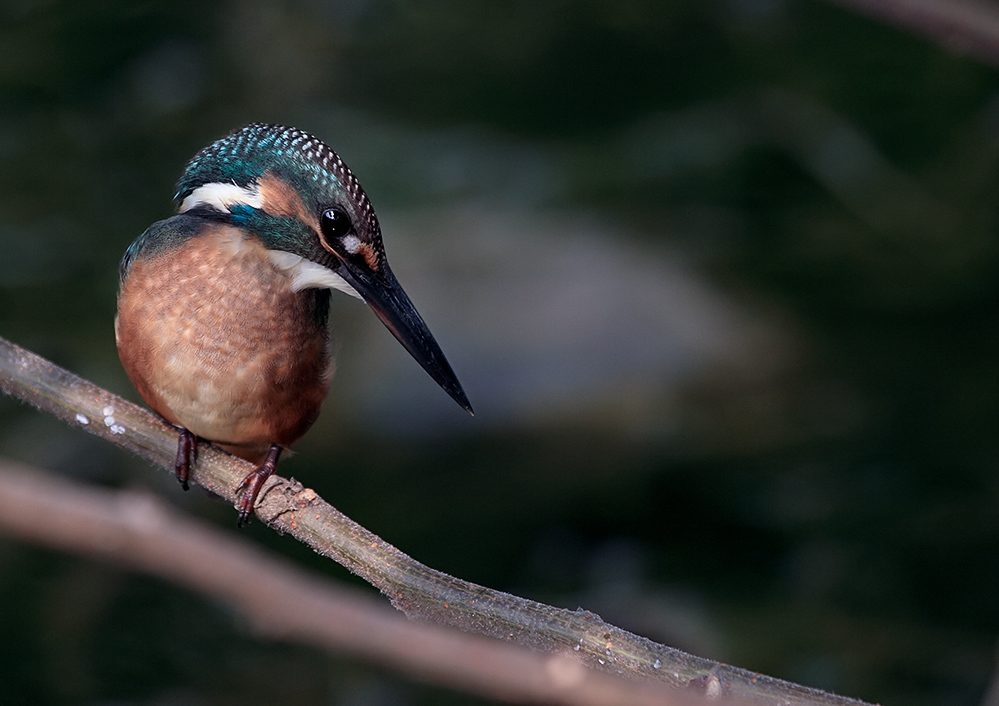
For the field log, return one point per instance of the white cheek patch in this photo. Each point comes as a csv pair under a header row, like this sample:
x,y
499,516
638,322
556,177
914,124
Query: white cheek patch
x,y
222,197
351,243
306,274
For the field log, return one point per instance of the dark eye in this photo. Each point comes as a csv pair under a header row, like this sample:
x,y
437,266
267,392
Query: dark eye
x,y
335,223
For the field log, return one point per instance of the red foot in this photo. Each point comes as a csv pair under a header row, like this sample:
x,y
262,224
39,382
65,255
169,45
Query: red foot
x,y
187,452
251,485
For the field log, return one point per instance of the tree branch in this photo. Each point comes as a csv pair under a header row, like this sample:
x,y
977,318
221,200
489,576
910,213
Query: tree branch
x,y
283,602
419,591
964,26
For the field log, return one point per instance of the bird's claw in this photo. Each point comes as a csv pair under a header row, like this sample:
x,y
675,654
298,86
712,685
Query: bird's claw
x,y
249,489
187,452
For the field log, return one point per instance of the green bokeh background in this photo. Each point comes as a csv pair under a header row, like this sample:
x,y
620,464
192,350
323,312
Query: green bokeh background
x,y
822,505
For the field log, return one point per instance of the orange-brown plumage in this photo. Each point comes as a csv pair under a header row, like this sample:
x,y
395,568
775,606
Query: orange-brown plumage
x,y
215,340
222,311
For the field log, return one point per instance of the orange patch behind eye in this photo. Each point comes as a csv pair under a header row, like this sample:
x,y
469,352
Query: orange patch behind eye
x,y
279,199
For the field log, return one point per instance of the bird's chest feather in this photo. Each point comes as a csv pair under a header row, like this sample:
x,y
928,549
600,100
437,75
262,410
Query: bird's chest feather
x,y
216,340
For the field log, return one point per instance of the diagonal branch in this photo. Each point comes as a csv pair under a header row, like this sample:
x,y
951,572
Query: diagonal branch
x,y
283,602
964,26
419,591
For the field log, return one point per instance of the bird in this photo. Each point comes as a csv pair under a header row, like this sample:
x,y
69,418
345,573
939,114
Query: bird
x,y
223,309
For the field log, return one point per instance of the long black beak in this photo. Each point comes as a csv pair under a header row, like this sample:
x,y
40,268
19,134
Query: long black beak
x,y
385,296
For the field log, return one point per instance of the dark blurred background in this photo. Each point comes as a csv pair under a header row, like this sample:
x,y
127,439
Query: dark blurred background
x,y
720,279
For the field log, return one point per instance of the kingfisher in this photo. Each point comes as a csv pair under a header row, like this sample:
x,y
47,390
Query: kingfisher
x,y
223,309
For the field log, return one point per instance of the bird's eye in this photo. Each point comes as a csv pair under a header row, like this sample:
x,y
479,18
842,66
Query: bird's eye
x,y
335,224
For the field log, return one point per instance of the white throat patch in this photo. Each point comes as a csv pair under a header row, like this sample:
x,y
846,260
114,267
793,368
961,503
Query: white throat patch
x,y
222,197
306,274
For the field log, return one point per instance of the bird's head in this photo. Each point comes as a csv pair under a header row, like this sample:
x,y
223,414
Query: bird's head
x,y
297,196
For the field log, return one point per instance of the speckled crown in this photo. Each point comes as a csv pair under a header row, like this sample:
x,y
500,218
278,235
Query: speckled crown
x,y
243,155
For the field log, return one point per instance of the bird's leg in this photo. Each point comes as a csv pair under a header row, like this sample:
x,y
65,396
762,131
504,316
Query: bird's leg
x,y
251,485
187,452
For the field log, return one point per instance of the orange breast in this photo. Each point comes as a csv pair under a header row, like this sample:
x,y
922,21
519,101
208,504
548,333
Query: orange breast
x,y
216,341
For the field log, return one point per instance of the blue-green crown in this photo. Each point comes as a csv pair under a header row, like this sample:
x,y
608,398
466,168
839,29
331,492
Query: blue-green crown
x,y
304,161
